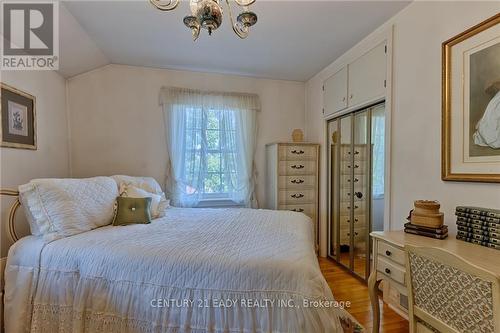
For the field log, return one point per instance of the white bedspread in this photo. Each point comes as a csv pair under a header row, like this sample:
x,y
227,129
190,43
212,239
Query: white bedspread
x,y
195,270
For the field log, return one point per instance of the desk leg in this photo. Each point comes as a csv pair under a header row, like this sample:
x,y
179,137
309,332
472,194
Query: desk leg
x,y
373,291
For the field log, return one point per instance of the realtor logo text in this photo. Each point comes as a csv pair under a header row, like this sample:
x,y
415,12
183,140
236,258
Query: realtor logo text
x,y
31,36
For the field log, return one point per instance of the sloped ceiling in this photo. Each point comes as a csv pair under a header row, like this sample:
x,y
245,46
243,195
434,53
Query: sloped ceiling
x,y
293,40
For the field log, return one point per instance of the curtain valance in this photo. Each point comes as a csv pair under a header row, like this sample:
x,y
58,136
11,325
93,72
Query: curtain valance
x,y
209,99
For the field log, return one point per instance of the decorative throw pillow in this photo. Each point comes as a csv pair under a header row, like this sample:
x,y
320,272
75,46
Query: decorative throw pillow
x,y
158,204
147,184
132,211
57,208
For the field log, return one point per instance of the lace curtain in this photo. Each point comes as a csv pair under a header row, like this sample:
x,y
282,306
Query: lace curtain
x,y
211,145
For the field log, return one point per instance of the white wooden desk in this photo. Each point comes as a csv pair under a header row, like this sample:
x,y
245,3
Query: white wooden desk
x,y
389,260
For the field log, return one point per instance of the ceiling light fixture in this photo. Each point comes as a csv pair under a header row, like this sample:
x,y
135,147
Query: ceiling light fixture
x,y
207,14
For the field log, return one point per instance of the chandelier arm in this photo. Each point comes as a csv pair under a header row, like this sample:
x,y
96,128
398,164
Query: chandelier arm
x,y
244,4
241,32
170,5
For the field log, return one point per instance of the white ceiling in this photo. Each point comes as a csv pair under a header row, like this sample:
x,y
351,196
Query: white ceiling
x,y
293,40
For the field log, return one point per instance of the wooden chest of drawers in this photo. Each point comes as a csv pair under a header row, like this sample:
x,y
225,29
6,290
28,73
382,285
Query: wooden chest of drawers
x,y
292,178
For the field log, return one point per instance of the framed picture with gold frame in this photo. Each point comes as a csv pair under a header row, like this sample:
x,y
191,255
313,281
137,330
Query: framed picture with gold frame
x,y
17,118
471,104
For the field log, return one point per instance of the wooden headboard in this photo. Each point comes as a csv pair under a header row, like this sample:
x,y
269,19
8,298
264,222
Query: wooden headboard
x,y
12,213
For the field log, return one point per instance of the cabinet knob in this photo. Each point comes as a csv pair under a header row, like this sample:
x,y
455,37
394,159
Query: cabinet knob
x,y
388,253
343,99
388,271
351,96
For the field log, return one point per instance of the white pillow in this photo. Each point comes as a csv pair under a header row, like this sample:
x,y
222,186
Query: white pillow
x,y
158,202
146,183
57,208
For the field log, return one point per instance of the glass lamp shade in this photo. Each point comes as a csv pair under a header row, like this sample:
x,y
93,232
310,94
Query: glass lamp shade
x,y
247,19
192,23
208,13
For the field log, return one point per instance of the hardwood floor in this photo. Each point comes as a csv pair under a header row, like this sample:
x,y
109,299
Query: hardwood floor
x,y
345,287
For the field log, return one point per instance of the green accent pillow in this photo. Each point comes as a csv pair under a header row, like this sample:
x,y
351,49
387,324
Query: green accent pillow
x,y
132,211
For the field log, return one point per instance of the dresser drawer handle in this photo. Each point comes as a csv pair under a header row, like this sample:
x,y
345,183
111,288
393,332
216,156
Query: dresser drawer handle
x,y
297,181
297,195
355,180
298,152
349,207
356,152
388,253
388,271
298,210
295,166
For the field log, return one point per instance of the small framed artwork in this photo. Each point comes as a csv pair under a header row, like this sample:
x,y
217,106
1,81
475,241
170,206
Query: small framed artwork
x,y
18,118
471,104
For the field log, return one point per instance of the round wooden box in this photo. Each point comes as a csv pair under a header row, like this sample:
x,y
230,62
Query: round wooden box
x,y
427,214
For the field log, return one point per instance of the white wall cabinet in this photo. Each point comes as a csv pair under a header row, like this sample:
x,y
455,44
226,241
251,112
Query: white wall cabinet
x,y
367,76
361,81
336,98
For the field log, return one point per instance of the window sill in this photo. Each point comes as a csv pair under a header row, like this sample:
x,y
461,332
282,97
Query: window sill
x,y
218,203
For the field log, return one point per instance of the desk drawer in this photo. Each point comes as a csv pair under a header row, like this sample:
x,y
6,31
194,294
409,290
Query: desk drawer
x,y
392,270
390,252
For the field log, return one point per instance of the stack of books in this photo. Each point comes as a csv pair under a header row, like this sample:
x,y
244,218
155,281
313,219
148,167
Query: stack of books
x,y
479,225
439,233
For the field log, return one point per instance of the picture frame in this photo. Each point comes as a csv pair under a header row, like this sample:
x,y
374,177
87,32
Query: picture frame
x,y
470,144
17,118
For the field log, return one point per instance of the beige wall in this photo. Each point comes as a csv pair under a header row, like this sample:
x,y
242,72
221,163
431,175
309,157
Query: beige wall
x,y
117,127
419,31
18,166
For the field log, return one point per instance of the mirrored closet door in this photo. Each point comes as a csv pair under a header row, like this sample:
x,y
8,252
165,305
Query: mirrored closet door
x,y
356,186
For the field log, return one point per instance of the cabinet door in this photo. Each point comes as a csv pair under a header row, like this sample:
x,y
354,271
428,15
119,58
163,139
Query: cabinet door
x,y
367,76
335,92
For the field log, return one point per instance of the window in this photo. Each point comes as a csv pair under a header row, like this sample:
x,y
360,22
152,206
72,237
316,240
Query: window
x,y
211,145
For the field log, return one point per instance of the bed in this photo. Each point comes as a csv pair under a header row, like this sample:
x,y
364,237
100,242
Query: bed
x,y
192,270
